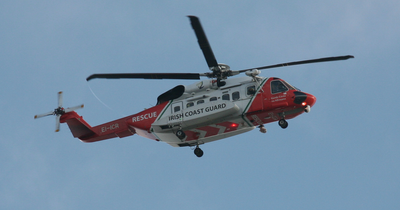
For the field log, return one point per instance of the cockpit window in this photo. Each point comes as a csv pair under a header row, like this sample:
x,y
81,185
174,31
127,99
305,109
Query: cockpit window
x,y
251,90
278,87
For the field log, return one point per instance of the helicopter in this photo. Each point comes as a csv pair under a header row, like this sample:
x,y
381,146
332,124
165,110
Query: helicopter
x,y
212,109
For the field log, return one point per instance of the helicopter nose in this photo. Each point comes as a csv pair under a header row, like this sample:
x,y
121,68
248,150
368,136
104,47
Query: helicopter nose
x,y
299,97
310,99
304,98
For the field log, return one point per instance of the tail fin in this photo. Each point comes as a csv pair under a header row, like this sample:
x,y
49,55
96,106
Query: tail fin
x,y
79,127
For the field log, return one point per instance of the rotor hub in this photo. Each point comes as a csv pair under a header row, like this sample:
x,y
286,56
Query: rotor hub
x,y
59,111
222,71
221,67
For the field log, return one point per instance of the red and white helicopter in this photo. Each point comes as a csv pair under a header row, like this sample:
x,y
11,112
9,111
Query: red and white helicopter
x,y
205,111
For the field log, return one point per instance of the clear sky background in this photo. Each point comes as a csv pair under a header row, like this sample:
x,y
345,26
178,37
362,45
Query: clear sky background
x,y
344,154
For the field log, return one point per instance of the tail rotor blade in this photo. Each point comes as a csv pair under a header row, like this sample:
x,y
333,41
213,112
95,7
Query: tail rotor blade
x,y
70,109
59,111
60,99
44,115
58,123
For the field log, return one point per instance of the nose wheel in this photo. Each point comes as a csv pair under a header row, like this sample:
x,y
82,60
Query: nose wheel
x,y
198,152
283,123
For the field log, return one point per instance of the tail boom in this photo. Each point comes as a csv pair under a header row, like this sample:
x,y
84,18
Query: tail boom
x,y
86,133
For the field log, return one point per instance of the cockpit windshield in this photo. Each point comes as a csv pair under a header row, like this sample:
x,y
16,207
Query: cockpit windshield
x,y
279,86
290,86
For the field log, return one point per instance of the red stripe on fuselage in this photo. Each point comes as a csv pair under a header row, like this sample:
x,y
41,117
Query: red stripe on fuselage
x,y
230,126
211,131
192,135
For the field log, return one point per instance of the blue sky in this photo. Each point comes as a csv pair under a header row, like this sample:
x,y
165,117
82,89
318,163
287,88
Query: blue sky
x,y
344,154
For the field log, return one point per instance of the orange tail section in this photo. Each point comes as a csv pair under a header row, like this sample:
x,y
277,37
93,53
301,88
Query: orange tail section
x,y
86,133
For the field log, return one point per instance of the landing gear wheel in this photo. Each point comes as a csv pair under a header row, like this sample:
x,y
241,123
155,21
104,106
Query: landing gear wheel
x,y
198,152
180,134
283,123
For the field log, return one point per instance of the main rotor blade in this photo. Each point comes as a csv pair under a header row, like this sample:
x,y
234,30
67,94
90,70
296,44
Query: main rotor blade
x,y
302,62
203,42
146,76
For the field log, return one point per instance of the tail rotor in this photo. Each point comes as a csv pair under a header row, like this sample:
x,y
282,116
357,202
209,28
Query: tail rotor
x,y
59,111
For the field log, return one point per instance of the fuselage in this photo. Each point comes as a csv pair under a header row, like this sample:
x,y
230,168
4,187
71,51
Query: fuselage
x,y
206,112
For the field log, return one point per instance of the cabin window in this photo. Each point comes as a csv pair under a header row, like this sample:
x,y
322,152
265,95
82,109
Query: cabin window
x,y
235,95
278,87
200,101
251,90
226,97
213,98
190,104
177,108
